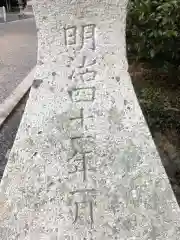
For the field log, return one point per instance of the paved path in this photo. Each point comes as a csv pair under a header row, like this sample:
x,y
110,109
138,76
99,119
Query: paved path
x,y
18,46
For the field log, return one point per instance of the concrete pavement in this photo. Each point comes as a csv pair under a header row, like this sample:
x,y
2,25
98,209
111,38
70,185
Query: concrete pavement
x,y
18,47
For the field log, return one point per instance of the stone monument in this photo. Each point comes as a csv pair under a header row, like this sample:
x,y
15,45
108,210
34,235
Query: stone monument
x,y
84,165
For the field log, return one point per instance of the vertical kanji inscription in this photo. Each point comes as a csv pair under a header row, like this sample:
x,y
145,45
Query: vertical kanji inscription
x,y
70,35
80,117
86,94
88,36
87,33
83,206
81,162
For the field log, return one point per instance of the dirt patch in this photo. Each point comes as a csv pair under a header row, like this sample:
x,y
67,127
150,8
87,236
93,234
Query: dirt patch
x,y
158,93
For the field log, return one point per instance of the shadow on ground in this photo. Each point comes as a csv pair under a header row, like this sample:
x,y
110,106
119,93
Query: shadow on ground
x,y
8,132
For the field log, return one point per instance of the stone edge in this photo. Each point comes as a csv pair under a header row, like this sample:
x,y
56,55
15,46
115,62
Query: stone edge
x,y
18,20
10,102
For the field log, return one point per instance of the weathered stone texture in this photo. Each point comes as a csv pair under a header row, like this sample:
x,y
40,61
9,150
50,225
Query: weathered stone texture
x,y
84,165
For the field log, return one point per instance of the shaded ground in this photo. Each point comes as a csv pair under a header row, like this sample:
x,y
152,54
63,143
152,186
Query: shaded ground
x,y
159,97
8,132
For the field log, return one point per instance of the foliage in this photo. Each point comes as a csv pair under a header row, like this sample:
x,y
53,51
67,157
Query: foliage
x,y
153,31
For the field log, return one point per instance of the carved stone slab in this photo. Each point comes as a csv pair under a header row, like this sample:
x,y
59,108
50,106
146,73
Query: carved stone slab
x,y
84,165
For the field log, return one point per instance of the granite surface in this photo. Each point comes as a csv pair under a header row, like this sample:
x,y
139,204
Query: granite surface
x,y
84,165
